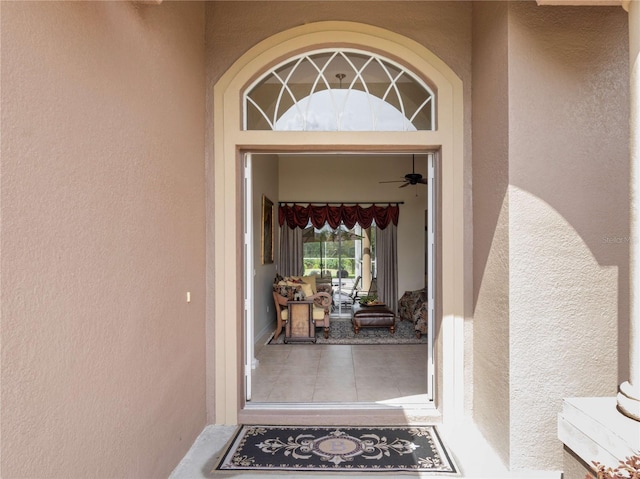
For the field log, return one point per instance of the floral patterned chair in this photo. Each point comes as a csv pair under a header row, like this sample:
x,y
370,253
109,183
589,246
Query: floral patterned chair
x,y
414,306
296,288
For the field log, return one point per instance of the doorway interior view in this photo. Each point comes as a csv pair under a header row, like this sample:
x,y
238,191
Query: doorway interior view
x,y
347,262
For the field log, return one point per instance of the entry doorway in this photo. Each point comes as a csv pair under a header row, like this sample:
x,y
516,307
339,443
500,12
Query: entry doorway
x,y
225,337
299,375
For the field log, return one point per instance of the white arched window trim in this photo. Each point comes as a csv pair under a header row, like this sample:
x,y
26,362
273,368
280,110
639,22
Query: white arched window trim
x,y
335,108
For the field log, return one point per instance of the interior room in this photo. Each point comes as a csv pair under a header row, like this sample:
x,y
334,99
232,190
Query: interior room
x,y
392,369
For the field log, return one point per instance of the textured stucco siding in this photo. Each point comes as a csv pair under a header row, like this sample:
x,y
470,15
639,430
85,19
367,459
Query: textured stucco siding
x,y
574,467
491,406
102,208
550,222
568,194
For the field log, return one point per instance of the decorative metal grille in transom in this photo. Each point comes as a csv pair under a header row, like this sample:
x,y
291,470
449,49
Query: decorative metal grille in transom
x,y
339,90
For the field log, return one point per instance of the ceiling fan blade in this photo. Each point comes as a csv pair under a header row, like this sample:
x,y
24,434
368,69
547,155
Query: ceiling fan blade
x,y
392,181
424,181
406,184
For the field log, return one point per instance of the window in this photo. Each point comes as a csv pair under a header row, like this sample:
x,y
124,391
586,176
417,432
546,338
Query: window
x,y
346,256
339,90
335,253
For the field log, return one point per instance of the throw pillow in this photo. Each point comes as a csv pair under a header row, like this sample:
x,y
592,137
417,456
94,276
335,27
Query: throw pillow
x,y
311,280
289,291
299,293
306,289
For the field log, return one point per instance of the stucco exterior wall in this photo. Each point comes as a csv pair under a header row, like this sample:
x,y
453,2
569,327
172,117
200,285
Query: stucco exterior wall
x,y
574,467
491,405
444,27
102,207
550,169
568,171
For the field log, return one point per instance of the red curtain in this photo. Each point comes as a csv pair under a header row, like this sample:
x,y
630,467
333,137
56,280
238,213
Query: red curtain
x,y
296,215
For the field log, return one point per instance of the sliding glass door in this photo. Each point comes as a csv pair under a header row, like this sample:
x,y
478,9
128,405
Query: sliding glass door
x,y
342,256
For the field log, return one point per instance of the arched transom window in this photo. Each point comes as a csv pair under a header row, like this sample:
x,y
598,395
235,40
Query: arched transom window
x,y
339,90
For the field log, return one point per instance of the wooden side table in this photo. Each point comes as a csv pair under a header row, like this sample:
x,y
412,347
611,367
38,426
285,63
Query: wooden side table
x,y
300,327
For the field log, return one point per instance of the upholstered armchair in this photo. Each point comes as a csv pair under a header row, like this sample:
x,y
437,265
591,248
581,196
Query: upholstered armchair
x,y
300,288
414,306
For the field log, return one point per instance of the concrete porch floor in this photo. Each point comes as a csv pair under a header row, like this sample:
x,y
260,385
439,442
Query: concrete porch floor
x,y
472,454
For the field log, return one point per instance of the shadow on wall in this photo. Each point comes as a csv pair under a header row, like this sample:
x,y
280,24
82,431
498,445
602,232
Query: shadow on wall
x,y
568,147
561,332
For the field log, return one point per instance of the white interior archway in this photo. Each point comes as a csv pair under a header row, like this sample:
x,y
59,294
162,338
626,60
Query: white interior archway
x,y
223,181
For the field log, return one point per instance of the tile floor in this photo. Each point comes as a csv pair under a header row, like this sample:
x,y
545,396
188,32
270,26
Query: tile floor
x,y
315,373
338,373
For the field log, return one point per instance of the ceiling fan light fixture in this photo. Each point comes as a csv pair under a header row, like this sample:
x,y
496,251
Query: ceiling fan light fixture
x,y
412,178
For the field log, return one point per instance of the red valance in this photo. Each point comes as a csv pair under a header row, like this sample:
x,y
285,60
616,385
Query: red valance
x,y
296,215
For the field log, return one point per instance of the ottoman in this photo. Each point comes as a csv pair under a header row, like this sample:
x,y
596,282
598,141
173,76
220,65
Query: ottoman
x,y
373,317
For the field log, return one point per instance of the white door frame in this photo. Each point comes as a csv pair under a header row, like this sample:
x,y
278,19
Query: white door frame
x,y
431,273
224,210
249,275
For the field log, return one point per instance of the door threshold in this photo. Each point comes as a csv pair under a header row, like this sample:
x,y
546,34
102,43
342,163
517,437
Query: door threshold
x,y
329,414
339,405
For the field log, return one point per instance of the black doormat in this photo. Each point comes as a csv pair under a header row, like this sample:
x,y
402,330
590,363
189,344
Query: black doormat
x,y
338,449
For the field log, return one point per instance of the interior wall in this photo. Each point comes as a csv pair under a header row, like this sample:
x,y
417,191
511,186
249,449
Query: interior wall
x,y
265,182
102,203
491,224
355,178
568,201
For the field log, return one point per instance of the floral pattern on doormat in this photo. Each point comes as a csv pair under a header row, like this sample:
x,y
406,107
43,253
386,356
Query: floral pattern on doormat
x,y
338,449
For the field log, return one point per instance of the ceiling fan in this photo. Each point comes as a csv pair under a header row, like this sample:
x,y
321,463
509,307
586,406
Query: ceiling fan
x,y
412,178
